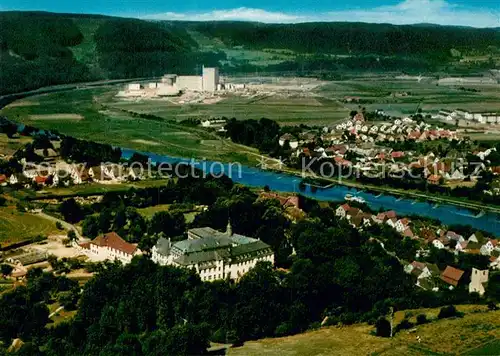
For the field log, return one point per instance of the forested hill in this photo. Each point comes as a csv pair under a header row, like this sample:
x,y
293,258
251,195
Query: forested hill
x,y
353,37
39,48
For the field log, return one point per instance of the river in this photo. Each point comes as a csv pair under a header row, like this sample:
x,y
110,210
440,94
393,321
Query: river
x,y
254,177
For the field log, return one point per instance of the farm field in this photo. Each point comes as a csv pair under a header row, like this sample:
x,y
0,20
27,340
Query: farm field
x,y
286,111
477,334
405,96
16,226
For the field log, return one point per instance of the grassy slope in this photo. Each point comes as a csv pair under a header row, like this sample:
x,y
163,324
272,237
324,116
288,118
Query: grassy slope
x,y
450,336
16,226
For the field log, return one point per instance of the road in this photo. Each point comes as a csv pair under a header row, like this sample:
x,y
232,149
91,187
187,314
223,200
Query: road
x,y
64,224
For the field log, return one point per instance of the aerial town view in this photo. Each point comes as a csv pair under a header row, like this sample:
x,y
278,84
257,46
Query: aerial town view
x,y
250,178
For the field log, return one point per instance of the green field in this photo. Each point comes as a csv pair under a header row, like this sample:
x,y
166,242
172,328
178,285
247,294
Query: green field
x,y
97,188
151,210
16,227
286,111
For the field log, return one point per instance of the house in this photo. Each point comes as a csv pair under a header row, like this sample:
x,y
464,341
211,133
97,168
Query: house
x,y
380,218
434,179
488,247
461,246
397,154
425,274
452,276
342,210
451,235
20,179
98,174
136,173
402,225
285,201
212,254
495,260
39,180
427,234
391,222
408,233
437,243
79,174
478,281
111,246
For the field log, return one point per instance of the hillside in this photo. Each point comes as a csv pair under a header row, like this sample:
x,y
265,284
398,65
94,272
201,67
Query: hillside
x,y
39,48
474,334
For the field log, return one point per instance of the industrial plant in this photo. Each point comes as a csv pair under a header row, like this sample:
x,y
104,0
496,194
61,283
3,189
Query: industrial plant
x,y
173,85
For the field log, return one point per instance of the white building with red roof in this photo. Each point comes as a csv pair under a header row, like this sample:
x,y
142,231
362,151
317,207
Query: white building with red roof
x,y
111,246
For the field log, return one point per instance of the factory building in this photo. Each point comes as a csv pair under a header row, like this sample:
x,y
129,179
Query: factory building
x,y
173,84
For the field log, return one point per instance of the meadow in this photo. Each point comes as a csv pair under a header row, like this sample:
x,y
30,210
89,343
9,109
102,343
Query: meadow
x,y
478,332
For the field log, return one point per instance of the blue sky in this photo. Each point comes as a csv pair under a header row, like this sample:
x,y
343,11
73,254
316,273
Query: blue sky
x,y
477,13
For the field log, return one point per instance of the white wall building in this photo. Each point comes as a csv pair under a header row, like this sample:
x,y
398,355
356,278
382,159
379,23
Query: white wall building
x,y
214,255
111,246
478,280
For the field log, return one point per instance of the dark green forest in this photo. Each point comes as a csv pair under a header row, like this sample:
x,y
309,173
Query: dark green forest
x,y
39,49
353,38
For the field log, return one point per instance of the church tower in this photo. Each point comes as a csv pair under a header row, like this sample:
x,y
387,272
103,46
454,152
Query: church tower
x,y
229,228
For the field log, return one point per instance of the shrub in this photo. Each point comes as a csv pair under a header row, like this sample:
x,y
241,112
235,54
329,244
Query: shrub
x,y
383,327
422,319
59,226
448,311
405,324
6,269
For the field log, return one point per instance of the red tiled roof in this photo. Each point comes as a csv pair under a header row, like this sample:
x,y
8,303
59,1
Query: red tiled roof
x,y
452,275
419,265
404,221
3,178
40,180
408,233
434,179
346,207
114,241
390,214
397,154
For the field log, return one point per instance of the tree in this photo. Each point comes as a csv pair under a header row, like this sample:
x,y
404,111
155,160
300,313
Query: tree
x,y
421,319
493,288
72,236
447,312
2,201
71,210
90,226
383,327
6,269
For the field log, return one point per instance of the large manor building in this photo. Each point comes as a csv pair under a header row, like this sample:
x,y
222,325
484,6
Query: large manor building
x,y
213,254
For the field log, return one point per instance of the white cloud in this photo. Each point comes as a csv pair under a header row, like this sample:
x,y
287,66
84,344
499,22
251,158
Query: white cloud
x,y
407,12
239,14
